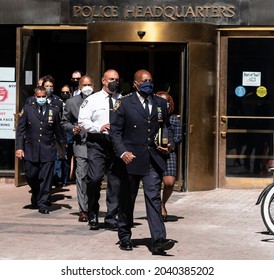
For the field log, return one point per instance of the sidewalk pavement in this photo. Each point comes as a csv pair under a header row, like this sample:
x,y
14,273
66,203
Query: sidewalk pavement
x,y
222,224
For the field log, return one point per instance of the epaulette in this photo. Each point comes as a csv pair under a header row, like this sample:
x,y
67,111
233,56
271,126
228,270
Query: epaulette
x,y
127,95
119,100
54,106
30,104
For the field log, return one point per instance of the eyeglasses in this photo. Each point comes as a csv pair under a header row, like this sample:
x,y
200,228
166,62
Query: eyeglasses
x,y
64,91
75,79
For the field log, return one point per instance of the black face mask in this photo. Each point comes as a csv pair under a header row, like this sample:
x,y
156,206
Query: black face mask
x,y
65,96
113,86
74,84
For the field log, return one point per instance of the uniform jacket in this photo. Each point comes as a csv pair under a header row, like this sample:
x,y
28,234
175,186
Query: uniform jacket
x,y
132,131
36,135
70,119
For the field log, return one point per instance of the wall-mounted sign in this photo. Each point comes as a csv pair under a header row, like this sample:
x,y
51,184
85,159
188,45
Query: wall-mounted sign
x,y
240,91
7,74
171,10
261,91
251,79
7,109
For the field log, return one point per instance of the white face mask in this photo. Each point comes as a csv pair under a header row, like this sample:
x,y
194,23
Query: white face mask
x,y
87,90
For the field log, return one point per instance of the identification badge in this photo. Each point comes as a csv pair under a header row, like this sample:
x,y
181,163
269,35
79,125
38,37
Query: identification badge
x,y
50,119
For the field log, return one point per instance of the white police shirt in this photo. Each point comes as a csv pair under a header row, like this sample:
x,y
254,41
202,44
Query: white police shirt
x,y
94,111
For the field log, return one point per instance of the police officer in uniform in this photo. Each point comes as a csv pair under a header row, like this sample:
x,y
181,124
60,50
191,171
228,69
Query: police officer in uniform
x,y
37,132
134,125
94,118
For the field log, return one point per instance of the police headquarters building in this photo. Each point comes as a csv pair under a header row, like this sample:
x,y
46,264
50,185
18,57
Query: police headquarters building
x,y
214,57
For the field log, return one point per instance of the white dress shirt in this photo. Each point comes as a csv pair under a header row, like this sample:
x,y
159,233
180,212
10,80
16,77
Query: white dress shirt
x,y
142,100
94,111
76,92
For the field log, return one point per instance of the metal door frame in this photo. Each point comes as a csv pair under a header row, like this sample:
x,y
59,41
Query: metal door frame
x,y
223,35
20,32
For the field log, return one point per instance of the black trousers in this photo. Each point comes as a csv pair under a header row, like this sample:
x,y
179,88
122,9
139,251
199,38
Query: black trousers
x,y
39,177
101,159
152,192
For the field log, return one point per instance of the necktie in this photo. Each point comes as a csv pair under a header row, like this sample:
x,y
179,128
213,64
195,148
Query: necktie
x,y
110,105
41,112
146,107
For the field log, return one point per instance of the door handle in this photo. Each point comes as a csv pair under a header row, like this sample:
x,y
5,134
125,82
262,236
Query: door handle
x,y
224,126
224,119
191,128
223,134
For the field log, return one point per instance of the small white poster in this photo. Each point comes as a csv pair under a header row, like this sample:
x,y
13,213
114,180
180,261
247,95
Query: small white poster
x,y
251,79
7,109
7,74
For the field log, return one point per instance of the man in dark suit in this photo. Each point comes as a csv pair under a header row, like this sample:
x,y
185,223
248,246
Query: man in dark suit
x,y
69,123
134,125
37,131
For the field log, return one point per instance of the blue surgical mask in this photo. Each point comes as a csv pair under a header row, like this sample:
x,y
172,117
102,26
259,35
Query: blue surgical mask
x,y
145,89
41,101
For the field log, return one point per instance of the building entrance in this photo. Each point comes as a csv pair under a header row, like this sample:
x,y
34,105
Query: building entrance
x,y
181,58
43,50
165,61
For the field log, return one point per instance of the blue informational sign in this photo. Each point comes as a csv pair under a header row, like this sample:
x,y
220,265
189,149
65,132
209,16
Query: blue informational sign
x,y
240,91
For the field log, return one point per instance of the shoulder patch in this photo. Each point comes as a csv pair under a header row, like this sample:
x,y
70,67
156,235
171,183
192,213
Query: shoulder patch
x,y
21,113
85,102
116,105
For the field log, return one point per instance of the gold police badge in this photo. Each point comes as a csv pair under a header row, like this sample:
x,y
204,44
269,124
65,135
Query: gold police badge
x,y
116,105
50,119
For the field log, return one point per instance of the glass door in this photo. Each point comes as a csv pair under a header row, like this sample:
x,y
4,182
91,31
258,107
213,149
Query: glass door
x,y
26,75
165,62
246,111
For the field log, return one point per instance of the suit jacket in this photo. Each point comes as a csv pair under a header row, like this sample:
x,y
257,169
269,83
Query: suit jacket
x,y
132,131
36,134
70,119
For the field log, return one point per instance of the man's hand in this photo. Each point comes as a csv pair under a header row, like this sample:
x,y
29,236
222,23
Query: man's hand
x,y
105,128
166,150
19,154
128,157
76,129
